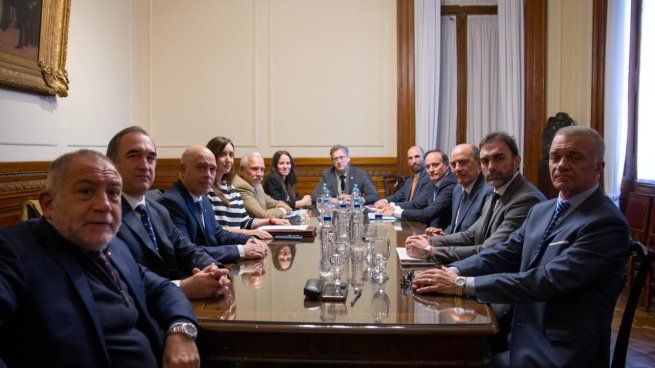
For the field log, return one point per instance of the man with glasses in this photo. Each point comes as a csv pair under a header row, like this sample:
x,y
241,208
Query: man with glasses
x,y
341,179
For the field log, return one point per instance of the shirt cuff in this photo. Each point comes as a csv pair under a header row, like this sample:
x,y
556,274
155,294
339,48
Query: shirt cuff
x,y
397,212
176,282
284,212
242,252
469,289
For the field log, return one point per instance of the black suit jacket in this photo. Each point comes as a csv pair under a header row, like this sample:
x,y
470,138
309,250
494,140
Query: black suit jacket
x,y
174,256
219,243
274,187
48,316
433,205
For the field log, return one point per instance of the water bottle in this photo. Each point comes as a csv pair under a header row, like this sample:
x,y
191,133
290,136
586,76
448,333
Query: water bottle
x,y
327,244
380,230
356,196
357,226
343,224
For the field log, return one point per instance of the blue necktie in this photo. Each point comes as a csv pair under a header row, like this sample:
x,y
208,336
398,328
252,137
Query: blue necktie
x,y
559,209
201,218
101,259
145,220
462,199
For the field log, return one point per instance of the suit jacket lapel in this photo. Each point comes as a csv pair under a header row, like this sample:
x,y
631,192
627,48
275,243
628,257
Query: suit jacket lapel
x,y
132,221
210,222
52,245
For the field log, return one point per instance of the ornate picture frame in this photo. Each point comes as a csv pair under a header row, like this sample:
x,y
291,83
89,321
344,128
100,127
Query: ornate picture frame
x,y
45,73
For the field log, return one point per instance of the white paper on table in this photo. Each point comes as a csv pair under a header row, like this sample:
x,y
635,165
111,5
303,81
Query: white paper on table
x,y
371,216
405,258
283,227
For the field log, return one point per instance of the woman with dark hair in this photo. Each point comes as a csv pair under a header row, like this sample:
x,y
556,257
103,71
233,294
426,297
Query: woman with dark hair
x,y
280,183
226,200
283,255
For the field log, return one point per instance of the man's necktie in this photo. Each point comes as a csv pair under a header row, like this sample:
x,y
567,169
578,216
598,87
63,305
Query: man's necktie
x,y
145,220
201,218
560,207
462,199
343,183
414,182
101,259
487,219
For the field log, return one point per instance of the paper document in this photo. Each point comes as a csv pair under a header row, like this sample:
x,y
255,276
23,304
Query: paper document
x,y
283,227
405,259
371,216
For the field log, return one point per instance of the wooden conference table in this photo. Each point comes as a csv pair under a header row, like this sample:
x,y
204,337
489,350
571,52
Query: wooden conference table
x,y
266,318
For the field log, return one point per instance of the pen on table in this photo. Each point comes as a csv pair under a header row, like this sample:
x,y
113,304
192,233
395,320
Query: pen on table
x,y
357,295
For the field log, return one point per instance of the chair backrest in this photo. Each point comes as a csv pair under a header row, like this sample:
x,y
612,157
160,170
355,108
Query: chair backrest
x,y
154,194
650,238
390,184
30,209
646,258
637,212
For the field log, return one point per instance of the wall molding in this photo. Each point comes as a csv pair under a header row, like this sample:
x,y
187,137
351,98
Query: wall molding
x,y
21,181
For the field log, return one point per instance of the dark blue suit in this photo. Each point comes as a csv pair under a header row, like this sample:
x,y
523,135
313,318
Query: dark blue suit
x,y
565,292
218,242
174,256
48,315
433,205
470,207
402,195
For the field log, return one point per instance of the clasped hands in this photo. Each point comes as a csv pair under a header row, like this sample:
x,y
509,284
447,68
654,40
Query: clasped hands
x,y
209,282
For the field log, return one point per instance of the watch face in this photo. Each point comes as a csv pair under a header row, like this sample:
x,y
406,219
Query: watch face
x,y
190,330
460,281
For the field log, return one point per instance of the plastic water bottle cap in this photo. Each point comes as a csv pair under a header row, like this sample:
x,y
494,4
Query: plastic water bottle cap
x,y
357,205
327,218
343,205
378,216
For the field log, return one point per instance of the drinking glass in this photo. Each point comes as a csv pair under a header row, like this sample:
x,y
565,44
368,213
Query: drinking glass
x,y
380,305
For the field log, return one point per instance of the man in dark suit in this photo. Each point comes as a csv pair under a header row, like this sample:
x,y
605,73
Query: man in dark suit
x,y
147,228
413,186
563,268
503,212
469,193
192,213
434,203
71,294
341,179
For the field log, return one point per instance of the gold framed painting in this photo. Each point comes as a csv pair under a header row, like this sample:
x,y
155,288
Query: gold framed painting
x,y
33,38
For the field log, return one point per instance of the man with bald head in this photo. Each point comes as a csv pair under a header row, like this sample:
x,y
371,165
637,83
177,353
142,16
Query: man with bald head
x,y
249,184
192,213
414,184
72,290
563,268
469,193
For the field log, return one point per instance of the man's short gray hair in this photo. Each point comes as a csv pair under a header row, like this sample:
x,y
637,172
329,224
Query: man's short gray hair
x,y
579,130
59,167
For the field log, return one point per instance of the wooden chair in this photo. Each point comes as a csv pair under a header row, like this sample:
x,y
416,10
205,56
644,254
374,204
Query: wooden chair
x,y
30,209
392,183
637,212
646,257
650,243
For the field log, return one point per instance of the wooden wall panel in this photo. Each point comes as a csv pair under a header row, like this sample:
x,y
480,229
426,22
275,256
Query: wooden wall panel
x,y
20,181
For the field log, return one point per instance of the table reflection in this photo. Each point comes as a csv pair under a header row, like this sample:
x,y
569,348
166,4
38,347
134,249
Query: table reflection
x,y
271,291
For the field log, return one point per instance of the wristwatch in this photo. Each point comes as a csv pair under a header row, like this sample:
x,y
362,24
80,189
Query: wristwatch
x,y
460,282
186,328
425,252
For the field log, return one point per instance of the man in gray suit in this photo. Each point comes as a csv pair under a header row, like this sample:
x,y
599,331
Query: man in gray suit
x,y
503,212
341,179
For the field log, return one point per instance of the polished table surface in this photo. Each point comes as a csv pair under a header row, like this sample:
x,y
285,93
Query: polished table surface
x,y
265,317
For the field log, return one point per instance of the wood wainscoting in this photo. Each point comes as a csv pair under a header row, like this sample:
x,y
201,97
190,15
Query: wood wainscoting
x,y
20,181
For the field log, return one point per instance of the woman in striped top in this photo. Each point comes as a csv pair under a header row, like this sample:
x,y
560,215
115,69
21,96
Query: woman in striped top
x,y
226,200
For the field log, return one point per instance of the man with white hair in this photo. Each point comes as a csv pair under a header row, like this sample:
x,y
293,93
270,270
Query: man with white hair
x,y
249,184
